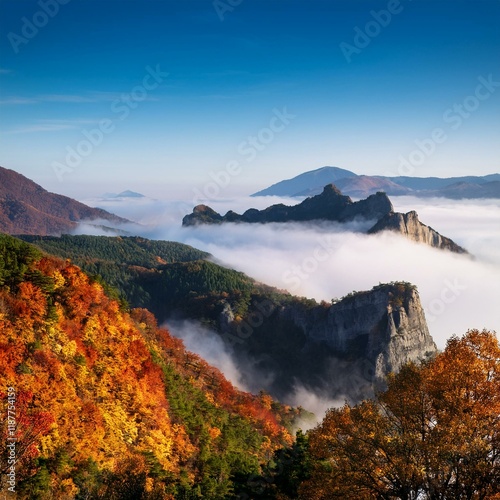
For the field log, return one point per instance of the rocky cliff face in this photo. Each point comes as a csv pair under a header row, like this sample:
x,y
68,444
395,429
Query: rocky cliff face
x,y
345,349
388,319
410,226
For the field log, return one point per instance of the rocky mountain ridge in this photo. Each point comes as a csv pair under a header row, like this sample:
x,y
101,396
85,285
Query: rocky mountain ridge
x,y
409,225
332,205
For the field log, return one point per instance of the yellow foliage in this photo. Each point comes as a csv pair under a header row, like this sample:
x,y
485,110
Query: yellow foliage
x,y
91,330
68,350
59,280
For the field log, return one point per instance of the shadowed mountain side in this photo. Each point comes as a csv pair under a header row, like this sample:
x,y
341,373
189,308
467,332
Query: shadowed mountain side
x,y
27,208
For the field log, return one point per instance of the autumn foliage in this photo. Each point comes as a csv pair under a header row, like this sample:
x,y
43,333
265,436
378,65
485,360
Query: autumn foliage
x,y
435,432
109,402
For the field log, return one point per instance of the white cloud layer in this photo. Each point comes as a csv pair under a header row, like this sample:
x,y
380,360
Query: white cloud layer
x,y
330,260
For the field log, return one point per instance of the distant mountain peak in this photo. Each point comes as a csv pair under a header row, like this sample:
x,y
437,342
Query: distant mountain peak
x,y
130,194
360,186
124,194
313,179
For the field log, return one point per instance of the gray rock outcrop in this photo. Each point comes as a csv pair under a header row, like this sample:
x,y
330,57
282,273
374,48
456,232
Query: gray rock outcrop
x,y
410,226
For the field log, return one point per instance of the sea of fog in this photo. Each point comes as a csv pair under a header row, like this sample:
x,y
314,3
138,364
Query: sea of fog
x,y
329,260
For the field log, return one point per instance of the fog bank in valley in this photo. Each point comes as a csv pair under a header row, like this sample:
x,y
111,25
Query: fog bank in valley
x,y
329,260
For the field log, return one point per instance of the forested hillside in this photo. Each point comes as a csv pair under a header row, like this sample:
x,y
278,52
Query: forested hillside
x,y
111,406
131,250
166,277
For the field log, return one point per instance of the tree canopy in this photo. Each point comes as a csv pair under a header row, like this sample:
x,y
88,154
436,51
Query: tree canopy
x,y
434,434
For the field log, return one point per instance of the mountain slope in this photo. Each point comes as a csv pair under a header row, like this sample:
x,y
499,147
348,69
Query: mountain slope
x,y
279,341
27,208
108,405
166,277
467,190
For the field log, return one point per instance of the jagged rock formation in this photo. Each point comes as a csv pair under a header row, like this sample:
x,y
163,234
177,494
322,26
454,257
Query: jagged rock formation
x,y
410,226
202,214
332,205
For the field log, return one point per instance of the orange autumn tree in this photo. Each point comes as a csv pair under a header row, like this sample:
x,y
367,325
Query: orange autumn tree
x,y
435,432
28,427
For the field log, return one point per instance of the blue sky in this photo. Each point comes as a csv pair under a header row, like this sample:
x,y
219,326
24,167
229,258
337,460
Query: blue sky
x,y
382,103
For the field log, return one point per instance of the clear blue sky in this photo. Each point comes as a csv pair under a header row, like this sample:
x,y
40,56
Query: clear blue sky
x,y
225,78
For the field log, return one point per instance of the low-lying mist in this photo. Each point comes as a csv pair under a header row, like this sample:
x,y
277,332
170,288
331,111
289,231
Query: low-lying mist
x,y
242,372
209,345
